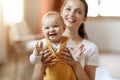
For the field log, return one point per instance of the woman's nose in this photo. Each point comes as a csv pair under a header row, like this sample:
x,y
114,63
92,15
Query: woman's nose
x,y
71,13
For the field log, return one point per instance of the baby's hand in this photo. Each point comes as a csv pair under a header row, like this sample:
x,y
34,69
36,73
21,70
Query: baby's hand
x,y
39,48
80,50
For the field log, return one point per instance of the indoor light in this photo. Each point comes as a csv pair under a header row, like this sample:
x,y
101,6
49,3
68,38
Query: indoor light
x,y
13,10
109,8
92,8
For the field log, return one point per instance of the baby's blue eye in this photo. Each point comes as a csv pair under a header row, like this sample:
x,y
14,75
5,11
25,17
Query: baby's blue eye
x,y
46,28
56,26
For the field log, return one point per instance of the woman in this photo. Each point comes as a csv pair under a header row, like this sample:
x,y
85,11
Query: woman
x,y
74,13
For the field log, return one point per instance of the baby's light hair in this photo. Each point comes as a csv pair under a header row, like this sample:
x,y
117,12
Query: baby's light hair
x,y
52,13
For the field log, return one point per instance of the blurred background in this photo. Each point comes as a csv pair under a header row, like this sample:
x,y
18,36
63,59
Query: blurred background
x,y
18,33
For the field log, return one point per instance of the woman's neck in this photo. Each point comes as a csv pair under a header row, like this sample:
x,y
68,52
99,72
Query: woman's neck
x,y
73,34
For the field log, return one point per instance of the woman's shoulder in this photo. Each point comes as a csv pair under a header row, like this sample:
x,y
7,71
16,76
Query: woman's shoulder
x,y
90,45
91,52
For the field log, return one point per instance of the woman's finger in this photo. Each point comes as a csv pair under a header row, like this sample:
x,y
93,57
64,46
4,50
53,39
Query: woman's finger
x,y
49,59
50,63
66,57
66,52
69,62
46,53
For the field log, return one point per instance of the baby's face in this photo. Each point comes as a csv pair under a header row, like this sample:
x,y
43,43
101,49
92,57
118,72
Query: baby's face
x,y
53,28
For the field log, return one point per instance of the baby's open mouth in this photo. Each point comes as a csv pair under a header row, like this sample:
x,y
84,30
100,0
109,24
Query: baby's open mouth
x,y
53,34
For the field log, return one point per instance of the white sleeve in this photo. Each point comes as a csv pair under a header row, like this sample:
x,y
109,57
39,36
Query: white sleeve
x,y
35,59
92,58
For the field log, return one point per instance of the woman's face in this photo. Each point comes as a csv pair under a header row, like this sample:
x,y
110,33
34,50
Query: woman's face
x,y
73,13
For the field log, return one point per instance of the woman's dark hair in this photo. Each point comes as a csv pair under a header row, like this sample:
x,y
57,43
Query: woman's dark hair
x,y
81,30
85,7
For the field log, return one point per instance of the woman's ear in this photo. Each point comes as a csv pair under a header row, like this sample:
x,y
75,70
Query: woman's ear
x,y
85,18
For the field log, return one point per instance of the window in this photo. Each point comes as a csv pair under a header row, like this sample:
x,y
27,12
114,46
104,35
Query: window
x,y
109,8
13,10
103,8
92,8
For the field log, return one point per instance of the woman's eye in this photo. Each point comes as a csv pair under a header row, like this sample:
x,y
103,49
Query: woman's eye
x,y
79,12
68,9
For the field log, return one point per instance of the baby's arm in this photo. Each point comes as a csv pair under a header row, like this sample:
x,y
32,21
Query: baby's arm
x,y
35,57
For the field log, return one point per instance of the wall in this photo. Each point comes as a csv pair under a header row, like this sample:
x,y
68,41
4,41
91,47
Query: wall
x,y
105,33
2,38
31,9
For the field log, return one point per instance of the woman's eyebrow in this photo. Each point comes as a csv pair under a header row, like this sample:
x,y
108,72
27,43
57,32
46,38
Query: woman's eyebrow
x,y
79,9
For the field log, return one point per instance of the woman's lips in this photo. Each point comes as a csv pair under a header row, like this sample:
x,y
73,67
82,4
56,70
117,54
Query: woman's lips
x,y
70,20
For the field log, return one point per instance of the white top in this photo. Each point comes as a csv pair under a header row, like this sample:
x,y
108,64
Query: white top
x,y
89,57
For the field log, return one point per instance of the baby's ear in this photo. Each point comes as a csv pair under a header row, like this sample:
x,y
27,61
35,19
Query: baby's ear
x,y
64,27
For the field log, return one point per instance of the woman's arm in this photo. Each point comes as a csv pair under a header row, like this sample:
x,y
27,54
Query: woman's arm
x,y
82,74
39,72
79,71
90,71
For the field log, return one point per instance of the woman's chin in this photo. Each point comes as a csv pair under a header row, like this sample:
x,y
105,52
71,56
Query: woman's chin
x,y
69,25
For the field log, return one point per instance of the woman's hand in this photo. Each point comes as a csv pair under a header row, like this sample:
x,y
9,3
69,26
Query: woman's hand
x,y
67,57
77,68
47,58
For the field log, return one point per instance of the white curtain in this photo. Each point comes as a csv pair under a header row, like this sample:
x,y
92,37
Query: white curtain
x,y
3,48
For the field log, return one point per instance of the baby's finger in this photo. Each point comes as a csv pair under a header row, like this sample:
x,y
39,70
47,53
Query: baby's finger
x,y
41,53
81,46
36,45
41,44
82,51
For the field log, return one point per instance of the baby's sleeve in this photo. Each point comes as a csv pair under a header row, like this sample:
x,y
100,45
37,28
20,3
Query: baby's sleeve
x,y
34,59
